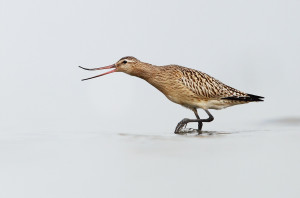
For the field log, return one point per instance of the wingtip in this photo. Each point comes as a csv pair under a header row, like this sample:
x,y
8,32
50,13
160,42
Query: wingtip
x,y
256,98
248,98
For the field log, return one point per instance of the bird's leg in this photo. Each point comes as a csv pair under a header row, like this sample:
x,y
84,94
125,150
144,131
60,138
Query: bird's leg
x,y
200,124
184,122
210,117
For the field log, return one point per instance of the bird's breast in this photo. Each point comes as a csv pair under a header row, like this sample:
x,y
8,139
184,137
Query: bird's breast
x,y
175,91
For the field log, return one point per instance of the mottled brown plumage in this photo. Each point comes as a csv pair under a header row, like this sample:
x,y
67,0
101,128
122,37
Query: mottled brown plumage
x,y
188,87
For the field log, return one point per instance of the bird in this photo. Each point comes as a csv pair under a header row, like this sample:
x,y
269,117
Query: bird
x,y
187,87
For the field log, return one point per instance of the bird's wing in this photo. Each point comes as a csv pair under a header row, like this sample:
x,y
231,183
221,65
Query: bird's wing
x,y
206,86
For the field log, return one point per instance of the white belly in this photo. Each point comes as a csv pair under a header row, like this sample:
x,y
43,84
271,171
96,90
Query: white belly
x,y
204,104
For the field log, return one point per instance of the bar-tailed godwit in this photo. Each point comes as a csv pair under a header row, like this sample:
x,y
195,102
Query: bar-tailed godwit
x,y
188,87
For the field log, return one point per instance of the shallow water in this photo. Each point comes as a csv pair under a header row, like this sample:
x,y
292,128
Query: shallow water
x,y
260,163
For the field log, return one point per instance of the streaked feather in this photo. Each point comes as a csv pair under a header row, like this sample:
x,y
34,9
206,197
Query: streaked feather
x,y
206,86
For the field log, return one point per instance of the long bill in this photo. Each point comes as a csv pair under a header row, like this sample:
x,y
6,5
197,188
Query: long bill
x,y
100,68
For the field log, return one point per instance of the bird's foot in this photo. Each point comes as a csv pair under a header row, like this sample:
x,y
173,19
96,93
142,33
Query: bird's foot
x,y
182,124
181,127
187,131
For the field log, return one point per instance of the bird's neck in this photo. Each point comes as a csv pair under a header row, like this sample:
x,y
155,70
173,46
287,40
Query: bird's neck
x,y
145,71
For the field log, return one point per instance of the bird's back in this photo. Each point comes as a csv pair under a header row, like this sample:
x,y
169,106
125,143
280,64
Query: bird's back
x,y
195,89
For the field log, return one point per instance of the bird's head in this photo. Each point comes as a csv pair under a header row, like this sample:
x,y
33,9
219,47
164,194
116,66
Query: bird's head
x,y
126,64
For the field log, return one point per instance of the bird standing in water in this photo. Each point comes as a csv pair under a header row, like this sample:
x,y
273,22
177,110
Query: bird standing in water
x,y
188,87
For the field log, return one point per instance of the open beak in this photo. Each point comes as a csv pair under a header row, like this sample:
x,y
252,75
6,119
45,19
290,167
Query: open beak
x,y
106,67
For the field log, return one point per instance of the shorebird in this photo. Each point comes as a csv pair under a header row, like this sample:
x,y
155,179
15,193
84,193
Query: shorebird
x,y
188,87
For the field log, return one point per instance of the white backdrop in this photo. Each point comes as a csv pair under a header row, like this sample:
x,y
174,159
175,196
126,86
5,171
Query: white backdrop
x,y
250,45
113,136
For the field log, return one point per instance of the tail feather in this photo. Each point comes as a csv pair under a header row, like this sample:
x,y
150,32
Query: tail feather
x,y
248,98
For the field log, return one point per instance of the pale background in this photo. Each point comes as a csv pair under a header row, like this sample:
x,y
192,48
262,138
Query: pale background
x,y
55,120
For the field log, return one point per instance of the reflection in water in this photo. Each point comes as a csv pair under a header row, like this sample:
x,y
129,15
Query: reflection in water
x,y
190,133
185,133
195,132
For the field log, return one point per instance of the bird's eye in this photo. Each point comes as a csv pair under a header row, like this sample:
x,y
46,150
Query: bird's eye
x,y
124,62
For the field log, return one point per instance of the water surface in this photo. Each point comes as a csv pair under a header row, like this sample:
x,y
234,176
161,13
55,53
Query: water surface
x,y
241,163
